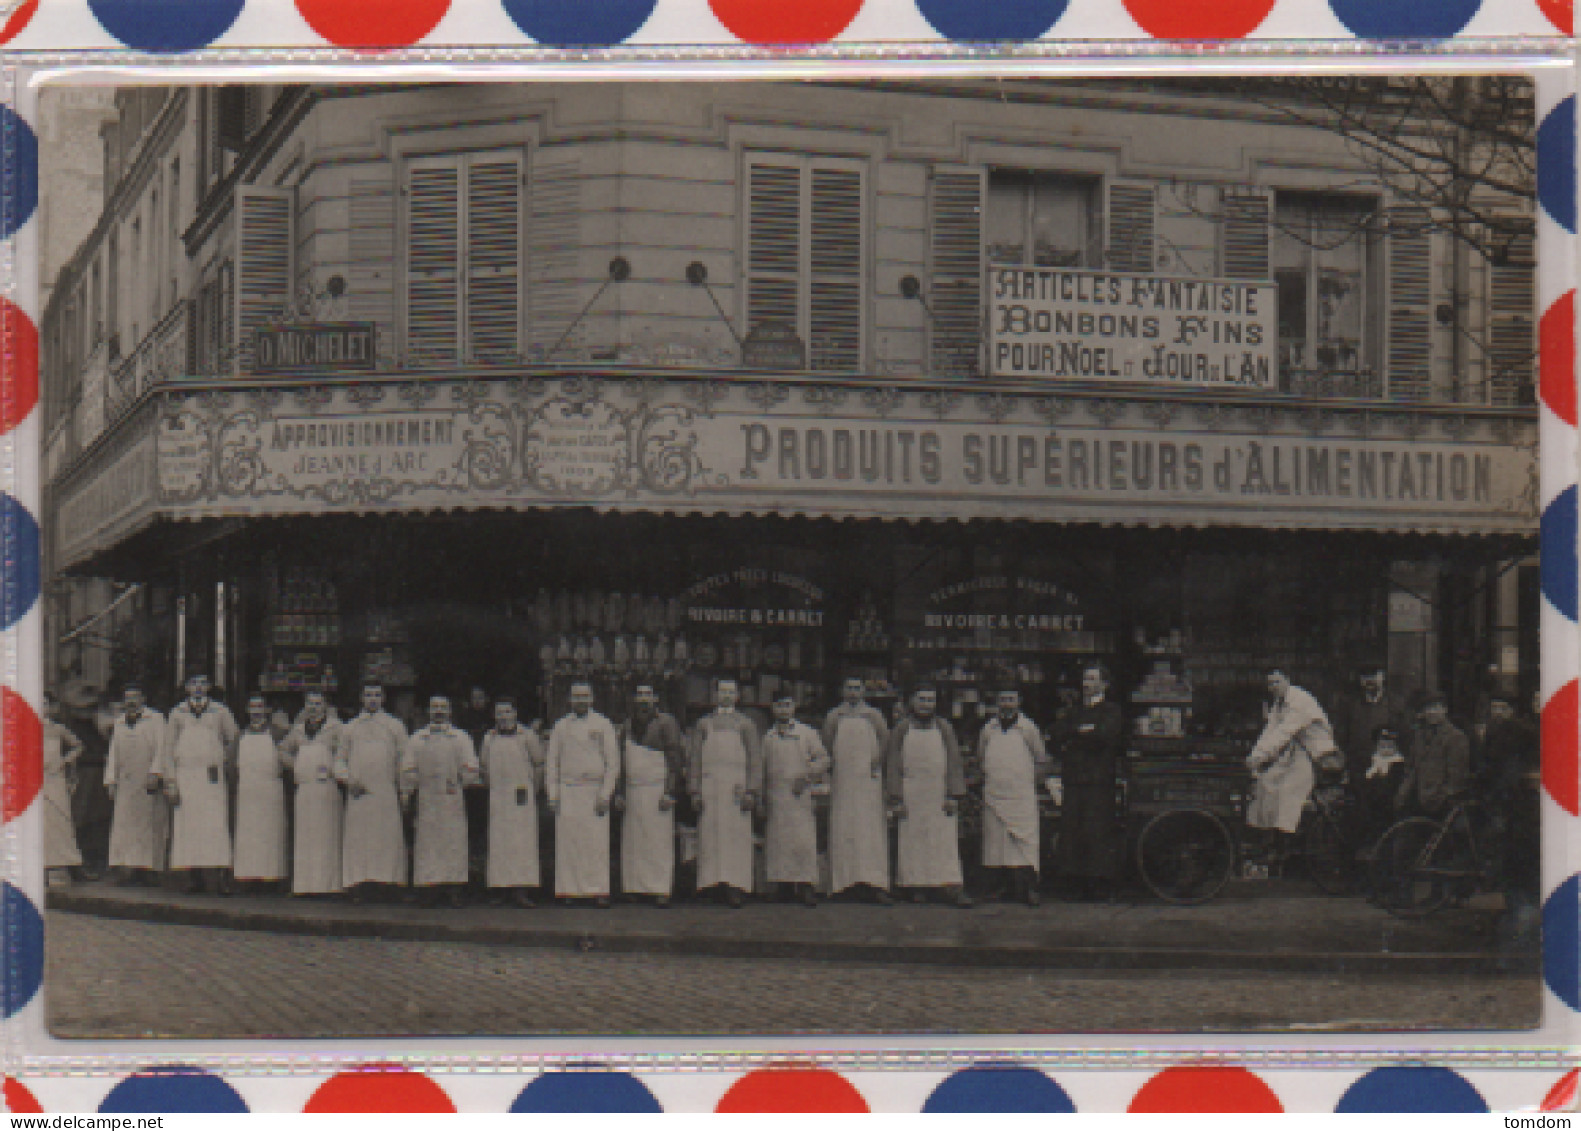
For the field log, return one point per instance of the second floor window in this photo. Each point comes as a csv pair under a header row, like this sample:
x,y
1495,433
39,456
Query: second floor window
x,y
807,254
1043,220
1325,258
464,252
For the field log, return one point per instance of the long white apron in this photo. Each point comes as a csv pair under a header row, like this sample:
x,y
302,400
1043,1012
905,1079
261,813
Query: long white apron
x,y
724,829
790,848
260,810
320,812
647,839
60,835
513,813
1280,792
928,851
581,835
439,854
1010,802
140,825
374,847
858,838
200,826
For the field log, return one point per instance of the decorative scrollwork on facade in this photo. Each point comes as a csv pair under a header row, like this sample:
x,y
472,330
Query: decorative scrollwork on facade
x,y
667,456
417,393
1106,411
1161,414
767,394
365,394
312,397
998,407
883,399
1456,425
825,398
1052,409
940,403
1312,420
706,394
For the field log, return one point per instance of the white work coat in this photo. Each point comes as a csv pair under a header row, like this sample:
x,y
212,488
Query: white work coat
x,y
61,748
260,809
1011,756
140,826
512,764
374,847
790,843
583,769
320,807
1281,763
439,762
200,745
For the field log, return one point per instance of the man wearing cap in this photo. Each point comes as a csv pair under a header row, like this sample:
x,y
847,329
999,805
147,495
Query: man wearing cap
x,y
195,764
794,759
438,763
140,825
583,770
1438,765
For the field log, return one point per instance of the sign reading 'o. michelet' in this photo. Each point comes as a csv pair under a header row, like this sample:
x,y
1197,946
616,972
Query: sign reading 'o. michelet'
x,y
314,345
1105,326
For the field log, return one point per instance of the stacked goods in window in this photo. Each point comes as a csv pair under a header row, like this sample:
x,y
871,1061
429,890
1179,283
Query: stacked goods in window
x,y
303,632
386,659
1163,698
613,640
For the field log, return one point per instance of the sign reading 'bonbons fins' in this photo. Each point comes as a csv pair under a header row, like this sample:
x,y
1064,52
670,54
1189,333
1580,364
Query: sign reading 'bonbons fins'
x,y
1101,325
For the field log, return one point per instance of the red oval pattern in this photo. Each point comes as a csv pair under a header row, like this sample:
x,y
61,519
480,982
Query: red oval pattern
x,y
1203,1089
792,1090
379,1088
1563,1095
23,754
1560,13
358,24
1556,339
19,1100
19,20
1560,743
1226,19
18,362
774,24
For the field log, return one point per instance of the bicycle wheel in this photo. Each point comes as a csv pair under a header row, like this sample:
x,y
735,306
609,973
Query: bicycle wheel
x,y
1185,855
1331,856
1402,878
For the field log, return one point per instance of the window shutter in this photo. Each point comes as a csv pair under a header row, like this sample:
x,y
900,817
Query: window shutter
x,y
433,244
1410,302
371,284
955,275
554,248
494,250
773,244
1244,237
1511,343
263,275
1131,228
834,309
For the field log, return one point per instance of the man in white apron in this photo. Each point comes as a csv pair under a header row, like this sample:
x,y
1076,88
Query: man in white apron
x,y
655,755
583,770
309,751
194,768
368,764
925,779
793,759
512,761
855,734
723,776
260,801
140,826
438,764
1013,761
1281,763
62,748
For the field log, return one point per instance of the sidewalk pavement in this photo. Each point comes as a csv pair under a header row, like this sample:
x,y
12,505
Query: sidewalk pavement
x,y
1270,925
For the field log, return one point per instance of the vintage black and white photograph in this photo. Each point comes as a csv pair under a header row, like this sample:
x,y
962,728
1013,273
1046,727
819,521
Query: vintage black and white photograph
x,y
997,555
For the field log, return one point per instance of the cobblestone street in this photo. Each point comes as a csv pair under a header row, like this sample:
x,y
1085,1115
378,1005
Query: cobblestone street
x,y
112,978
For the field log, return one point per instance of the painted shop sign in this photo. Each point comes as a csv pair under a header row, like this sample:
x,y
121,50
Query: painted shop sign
x,y
327,346
756,596
113,500
1101,325
743,447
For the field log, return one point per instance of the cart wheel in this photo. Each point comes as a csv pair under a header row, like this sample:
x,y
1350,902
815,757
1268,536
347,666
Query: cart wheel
x,y
1331,857
1402,878
1185,855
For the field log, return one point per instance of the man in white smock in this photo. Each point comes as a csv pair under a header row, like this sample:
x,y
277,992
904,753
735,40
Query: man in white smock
x,y
855,735
925,779
439,762
62,748
309,751
373,850
140,823
1297,731
583,770
655,755
512,761
1013,761
723,774
794,759
260,801
194,768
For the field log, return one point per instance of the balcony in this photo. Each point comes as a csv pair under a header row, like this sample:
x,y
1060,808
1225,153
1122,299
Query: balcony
x,y
164,354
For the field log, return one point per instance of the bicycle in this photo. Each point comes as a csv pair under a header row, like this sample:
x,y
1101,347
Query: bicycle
x,y
1422,863
1329,843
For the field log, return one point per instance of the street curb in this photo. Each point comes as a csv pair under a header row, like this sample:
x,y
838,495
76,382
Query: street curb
x,y
234,916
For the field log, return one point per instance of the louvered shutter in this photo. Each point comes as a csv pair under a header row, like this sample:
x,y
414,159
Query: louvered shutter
x,y
433,245
1511,322
263,274
553,249
371,284
1410,304
1131,222
834,304
1244,237
955,272
774,244
493,263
